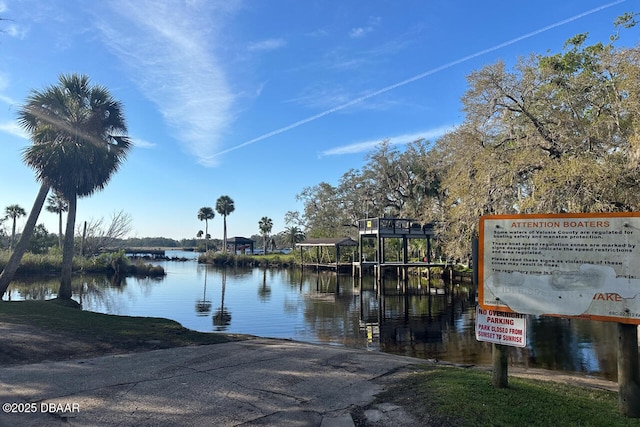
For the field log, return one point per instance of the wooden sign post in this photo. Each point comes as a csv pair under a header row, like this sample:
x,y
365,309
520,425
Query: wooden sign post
x,y
504,330
568,265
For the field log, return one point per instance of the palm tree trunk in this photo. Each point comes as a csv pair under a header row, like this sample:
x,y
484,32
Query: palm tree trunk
x,y
64,292
13,233
224,217
16,256
60,230
206,235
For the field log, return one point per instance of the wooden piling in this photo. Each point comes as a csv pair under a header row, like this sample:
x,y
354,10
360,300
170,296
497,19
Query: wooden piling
x,y
628,371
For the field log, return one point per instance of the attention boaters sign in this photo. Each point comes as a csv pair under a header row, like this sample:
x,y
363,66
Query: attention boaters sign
x,y
571,265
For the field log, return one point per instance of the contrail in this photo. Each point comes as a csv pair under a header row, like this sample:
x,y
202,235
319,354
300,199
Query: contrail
x,y
416,77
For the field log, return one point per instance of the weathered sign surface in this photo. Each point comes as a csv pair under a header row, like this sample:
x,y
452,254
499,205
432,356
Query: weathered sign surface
x,y
585,265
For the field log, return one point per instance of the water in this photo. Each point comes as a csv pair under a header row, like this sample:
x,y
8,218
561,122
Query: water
x,y
326,308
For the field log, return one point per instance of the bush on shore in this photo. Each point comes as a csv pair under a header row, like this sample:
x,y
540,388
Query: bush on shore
x,y
271,260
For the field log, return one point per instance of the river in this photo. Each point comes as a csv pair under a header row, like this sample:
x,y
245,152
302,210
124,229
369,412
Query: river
x,y
326,308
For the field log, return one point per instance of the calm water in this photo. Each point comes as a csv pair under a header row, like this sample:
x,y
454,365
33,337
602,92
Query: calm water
x,y
326,308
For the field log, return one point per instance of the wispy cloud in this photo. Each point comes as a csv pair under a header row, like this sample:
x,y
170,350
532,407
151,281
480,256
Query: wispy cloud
x,y
364,146
359,32
12,128
16,31
142,143
266,45
175,66
363,31
4,84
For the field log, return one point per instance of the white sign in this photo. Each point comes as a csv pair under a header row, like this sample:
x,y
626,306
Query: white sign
x,y
585,265
501,328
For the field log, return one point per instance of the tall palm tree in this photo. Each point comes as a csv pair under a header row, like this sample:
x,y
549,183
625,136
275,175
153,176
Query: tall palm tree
x,y
205,214
265,225
14,212
57,204
224,206
79,141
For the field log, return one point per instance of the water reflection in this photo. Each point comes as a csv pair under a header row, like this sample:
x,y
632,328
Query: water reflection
x,y
264,291
413,318
203,306
222,317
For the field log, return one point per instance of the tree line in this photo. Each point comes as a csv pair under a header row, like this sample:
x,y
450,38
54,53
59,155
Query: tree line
x,y
554,133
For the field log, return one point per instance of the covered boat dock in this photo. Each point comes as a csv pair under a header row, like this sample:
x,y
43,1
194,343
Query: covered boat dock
x,y
329,252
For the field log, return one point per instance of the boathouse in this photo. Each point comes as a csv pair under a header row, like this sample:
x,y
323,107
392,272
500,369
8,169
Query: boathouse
x,y
376,234
241,244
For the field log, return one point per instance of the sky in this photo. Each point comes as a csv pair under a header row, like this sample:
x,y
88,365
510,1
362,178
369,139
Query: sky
x,y
259,99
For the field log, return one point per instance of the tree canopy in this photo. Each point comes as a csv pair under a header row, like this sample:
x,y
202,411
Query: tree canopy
x,y
555,133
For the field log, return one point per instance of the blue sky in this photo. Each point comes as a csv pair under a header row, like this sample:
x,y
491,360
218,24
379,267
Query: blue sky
x,y
259,99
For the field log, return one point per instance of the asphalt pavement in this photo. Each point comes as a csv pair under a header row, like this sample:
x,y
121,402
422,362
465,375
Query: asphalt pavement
x,y
261,382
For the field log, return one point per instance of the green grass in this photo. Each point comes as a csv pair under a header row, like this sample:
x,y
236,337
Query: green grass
x,y
269,260
465,397
120,331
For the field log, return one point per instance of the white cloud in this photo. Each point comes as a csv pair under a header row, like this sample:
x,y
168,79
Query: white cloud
x,y
359,32
363,31
12,128
266,45
142,143
4,84
16,31
171,50
364,146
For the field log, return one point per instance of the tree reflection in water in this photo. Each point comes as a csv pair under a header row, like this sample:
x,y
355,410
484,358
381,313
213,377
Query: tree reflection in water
x,y
222,317
429,321
203,306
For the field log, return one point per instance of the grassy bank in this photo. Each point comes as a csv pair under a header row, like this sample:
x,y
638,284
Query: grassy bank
x,y
120,332
451,396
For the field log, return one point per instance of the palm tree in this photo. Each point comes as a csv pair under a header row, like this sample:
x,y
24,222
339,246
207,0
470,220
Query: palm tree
x,y
14,212
79,141
265,225
224,206
57,204
205,214
294,235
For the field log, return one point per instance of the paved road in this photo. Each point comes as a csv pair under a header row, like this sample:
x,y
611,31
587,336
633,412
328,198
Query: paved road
x,y
255,382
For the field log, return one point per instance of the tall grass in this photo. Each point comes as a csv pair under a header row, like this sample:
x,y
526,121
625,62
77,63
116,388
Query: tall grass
x,y
271,260
107,263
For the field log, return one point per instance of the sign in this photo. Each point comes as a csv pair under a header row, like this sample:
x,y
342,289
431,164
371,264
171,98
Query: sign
x,y
501,328
572,265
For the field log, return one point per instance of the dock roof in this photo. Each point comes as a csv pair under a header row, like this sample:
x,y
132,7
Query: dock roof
x,y
329,241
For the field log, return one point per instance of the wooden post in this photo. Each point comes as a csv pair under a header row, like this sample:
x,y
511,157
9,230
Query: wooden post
x,y
499,359
628,371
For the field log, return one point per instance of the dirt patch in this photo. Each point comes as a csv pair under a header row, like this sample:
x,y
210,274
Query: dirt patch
x,y
24,344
